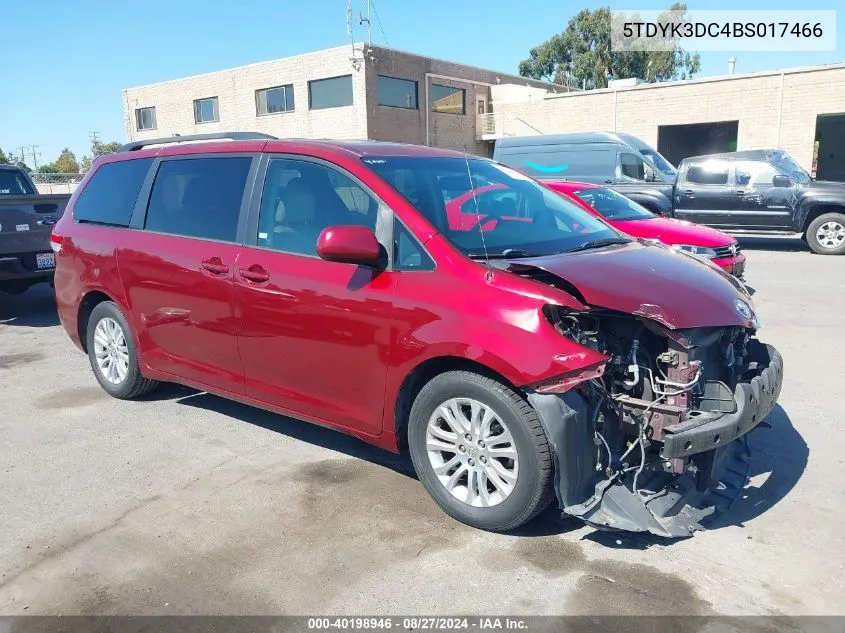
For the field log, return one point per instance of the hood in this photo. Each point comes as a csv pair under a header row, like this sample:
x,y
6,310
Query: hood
x,y
675,289
671,232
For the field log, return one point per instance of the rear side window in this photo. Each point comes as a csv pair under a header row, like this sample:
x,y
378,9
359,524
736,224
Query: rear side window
x,y
12,183
710,172
198,197
110,195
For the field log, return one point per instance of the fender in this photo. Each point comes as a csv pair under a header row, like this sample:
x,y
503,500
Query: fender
x,y
812,199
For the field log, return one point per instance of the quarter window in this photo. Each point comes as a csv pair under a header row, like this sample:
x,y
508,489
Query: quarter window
x,y
334,92
110,195
272,100
408,254
145,118
198,197
301,198
206,110
448,99
710,172
397,93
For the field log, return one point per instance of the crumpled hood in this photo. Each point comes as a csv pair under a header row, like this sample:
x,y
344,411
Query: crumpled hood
x,y
674,289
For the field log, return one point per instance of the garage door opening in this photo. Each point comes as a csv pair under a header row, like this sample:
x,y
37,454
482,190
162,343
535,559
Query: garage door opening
x,y
677,142
829,154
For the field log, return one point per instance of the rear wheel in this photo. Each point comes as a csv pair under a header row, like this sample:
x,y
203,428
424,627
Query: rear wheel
x,y
826,234
112,353
480,451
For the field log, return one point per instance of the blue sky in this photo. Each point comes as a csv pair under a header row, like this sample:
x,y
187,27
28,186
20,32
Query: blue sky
x,y
66,61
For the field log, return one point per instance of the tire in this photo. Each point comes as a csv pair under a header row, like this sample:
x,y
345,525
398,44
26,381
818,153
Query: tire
x,y
831,224
506,510
123,385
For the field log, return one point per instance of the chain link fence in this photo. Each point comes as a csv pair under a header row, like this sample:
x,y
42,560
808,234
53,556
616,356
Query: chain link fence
x,y
56,183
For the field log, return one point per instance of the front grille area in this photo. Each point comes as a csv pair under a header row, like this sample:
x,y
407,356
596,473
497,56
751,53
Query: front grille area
x,y
726,251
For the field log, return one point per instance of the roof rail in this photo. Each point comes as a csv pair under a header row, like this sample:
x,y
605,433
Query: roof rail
x,y
235,136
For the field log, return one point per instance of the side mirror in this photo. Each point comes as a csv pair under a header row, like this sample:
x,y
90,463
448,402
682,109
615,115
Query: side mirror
x,y
349,244
781,181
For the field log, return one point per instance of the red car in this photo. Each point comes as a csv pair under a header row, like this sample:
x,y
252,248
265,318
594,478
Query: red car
x,y
632,219
549,357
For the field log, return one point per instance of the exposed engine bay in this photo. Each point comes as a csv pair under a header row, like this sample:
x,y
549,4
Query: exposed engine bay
x,y
655,439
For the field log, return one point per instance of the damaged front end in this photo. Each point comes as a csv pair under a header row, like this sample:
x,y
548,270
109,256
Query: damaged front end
x,y
654,441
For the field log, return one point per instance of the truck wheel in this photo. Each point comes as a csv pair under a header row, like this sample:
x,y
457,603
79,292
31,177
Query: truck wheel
x,y
826,234
480,451
111,350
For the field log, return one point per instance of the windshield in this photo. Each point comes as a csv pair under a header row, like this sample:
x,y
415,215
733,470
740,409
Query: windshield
x,y
612,205
792,169
13,183
661,163
481,206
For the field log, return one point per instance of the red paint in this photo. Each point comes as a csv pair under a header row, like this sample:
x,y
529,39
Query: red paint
x,y
669,231
333,342
348,244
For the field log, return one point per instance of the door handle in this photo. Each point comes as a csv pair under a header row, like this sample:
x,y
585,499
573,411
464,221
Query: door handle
x,y
739,192
688,192
255,273
215,266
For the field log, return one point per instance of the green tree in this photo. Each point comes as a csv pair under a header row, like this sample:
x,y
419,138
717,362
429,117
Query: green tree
x,y
581,55
98,148
66,162
49,168
3,159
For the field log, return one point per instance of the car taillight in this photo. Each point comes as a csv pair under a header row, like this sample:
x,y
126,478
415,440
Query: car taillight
x,y
56,242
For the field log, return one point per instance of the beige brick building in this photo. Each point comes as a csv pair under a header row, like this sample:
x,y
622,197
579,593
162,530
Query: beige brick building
x,y
362,91
349,92
789,109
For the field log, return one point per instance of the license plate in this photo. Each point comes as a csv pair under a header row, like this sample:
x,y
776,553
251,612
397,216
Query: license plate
x,y
739,269
45,260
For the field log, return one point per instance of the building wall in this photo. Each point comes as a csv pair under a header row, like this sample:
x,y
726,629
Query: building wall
x,y
769,116
453,131
235,89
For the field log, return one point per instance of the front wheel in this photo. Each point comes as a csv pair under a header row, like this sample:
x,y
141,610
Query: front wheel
x,y
826,234
112,353
480,451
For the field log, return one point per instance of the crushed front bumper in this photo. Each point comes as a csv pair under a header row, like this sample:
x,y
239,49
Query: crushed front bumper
x,y
752,402
676,504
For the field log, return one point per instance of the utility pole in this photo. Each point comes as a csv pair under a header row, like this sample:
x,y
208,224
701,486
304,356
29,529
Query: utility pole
x,y
35,156
93,137
21,153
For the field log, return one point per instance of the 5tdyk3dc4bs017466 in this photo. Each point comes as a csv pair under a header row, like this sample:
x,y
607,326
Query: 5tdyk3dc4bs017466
x,y
538,354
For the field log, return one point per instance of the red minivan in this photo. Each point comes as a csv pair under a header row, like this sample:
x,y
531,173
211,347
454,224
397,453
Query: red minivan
x,y
545,357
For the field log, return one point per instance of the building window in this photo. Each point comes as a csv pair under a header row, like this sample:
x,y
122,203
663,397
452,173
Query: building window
x,y
205,110
334,92
397,93
272,100
145,118
448,99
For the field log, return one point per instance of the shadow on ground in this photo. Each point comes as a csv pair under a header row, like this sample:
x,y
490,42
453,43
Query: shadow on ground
x,y
775,244
778,458
35,307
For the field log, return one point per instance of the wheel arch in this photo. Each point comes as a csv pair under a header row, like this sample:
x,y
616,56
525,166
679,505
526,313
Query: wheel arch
x,y
813,211
420,375
91,300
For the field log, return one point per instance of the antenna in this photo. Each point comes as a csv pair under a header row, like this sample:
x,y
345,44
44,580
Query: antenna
x,y
489,275
362,19
354,59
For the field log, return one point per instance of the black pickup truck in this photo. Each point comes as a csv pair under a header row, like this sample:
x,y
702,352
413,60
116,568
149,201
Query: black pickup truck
x,y
26,221
752,193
